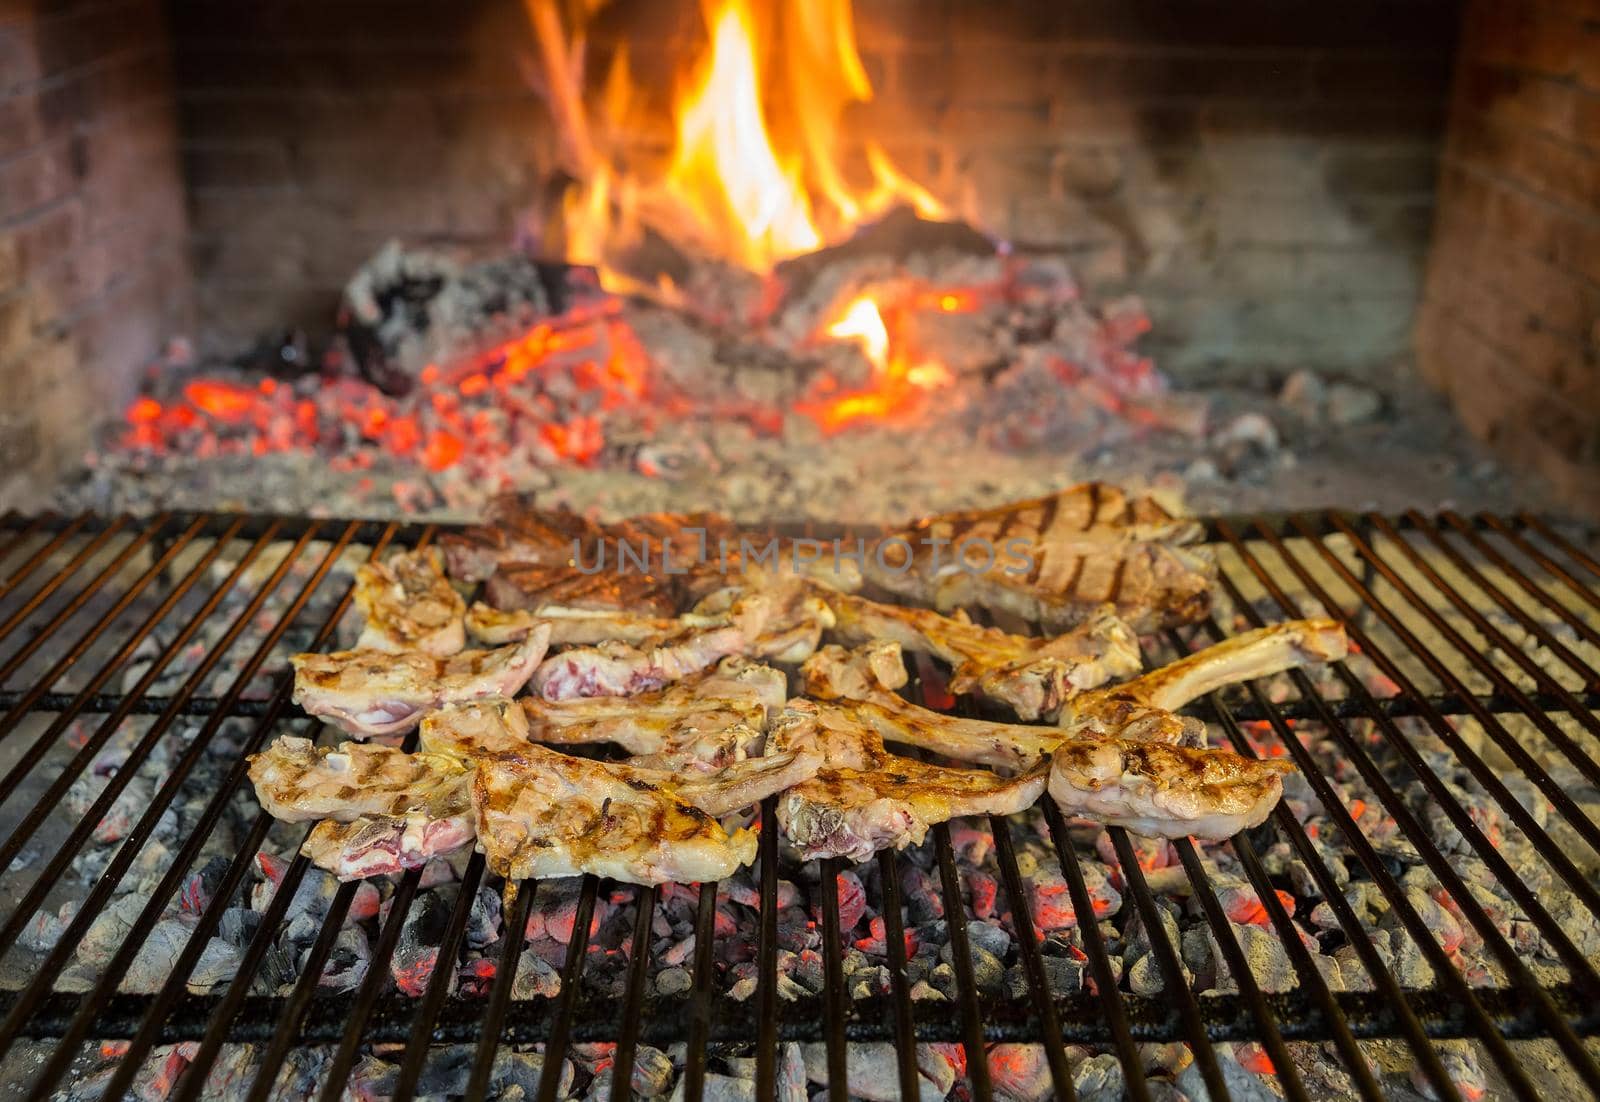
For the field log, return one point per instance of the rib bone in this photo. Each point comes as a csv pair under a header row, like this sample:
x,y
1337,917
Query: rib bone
x,y
1035,676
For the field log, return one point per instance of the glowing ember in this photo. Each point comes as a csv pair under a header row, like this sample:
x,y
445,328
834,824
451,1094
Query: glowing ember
x,y
898,385
470,415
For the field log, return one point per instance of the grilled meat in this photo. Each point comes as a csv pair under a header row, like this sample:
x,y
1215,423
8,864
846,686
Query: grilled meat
x,y
1141,710
1165,791
409,606
386,845
369,693
297,781
1034,676
541,813
862,682
782,624
1054,560
569,627
692,744
1144,709
538,587
864,799
471,732
1150,788
749,690
702,722
517,532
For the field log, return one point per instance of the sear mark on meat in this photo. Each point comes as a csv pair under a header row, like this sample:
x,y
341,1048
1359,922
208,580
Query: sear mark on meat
x,y
1165,791
1055,560
409,606
296,781
545,814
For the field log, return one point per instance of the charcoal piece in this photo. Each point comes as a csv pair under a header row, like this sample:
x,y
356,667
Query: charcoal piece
x,y
727,1088
650,1080
201,884
406,308
1020,1071
990,936
483,924
347,961
536,978
899,234
218,964
808,970
231,1073
1145,976
153,964
1136,939
943,978
303,1071
1098,1079
1243,1085
45,928
1265,956
1198,956
674,981
417,952
1063,974
109,930
920,891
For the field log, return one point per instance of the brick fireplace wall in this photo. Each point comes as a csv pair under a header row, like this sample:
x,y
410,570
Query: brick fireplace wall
x,y
1510,326
93,265
1261,172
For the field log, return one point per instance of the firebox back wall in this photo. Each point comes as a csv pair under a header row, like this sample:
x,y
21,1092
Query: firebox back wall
x,y
1261,172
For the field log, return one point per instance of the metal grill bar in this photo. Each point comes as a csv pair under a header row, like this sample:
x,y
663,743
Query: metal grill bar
x,y
1461,581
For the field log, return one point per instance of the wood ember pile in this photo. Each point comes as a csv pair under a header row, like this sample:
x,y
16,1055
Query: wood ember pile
x,y
450,382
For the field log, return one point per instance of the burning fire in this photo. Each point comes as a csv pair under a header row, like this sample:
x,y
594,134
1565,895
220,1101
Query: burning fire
x,y
756,172
898,384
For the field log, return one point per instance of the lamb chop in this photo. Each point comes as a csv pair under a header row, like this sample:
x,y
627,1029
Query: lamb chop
x,y
297,781
517,532
547,588
471,732
1141,710
782,623
569,627
409,606
541,813
1165,791
1144,709
862,684
749,690
369,693
385,810
1035,676
1150,788
387,845
702,722
864,799
1054,560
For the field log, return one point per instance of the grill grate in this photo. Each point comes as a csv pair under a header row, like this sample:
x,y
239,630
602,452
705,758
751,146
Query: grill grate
x,y
1460,614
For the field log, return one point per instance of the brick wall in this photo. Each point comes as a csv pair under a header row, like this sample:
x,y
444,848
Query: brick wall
x,y
93,274
316,130
1263,172
1510,325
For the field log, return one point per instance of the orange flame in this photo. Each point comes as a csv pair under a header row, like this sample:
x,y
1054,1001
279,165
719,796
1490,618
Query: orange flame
x,y
756,172
898,386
